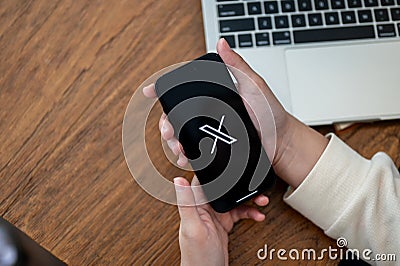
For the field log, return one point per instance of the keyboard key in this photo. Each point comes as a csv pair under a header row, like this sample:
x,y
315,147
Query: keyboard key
x,y
395,12
226,10
348,17
282,37
264,23
364,16
332,18
354,3
314,19
287,5
281,22
334,34
245,40
387,2
386,30
337,4
262,39
231,25
321,4
369,3
230,39
254,8
381,15
305,5
271,7
398,28
298,21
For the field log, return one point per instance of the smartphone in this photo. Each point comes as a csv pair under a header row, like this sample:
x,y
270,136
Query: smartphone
x,y
214,128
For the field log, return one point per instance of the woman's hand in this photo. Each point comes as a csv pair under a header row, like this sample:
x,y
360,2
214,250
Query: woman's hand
x,y
257,98
298,147
203,233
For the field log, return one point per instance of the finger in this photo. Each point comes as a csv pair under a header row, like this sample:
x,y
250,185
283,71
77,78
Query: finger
x,y
167,131
182,160
149,91
261,200
236,64
247,212
161,122
195,181
198,192
174,145
181,149
186,202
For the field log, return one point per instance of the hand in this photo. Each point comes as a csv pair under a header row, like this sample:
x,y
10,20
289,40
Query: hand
x,y
298,147
203,233
256,95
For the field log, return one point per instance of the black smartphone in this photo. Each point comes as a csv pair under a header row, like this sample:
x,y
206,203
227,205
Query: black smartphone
x,y
211,122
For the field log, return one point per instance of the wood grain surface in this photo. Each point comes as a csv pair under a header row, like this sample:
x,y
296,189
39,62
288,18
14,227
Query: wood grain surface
x,y
67,72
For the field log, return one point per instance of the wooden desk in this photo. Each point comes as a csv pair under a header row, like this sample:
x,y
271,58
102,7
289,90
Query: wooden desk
x,y
67,72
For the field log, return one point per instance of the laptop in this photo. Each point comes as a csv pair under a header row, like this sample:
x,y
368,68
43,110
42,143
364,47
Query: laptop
x,y
327,61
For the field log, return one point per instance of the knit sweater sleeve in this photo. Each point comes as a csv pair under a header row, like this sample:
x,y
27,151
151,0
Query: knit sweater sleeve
x,y
349,196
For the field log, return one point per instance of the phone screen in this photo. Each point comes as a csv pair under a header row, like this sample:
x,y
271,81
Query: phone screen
x,y
212,124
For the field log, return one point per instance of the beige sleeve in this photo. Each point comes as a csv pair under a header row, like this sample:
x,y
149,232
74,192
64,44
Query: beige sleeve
x,y
349,196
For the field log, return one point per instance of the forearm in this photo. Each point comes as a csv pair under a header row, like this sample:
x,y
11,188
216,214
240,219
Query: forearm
x,y
298,150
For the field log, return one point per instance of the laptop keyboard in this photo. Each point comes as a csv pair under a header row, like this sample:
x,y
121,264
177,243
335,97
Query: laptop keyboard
x,y
245,23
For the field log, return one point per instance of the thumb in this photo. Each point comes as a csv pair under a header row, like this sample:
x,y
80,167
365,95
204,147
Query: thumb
x,y
186,202
249,81
243,73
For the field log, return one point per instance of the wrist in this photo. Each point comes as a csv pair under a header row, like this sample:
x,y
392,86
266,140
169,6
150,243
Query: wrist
x,y
298,149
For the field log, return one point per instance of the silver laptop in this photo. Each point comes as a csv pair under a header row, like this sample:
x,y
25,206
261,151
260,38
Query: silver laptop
x,y
326,60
